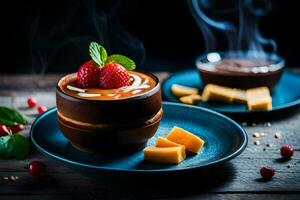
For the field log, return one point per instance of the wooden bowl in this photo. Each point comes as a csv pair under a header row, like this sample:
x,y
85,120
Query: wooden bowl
x,y
98,125
140,107
109,137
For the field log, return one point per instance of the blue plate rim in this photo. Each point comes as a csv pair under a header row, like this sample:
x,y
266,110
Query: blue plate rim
x,y
278,108
237,152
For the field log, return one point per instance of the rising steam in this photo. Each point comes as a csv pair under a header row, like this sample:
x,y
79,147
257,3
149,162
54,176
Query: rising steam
x,y
63,44
244,37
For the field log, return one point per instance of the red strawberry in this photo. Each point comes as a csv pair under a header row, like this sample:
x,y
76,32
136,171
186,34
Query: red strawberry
x,y
286,151
88,75
16,128
267,172
113,75
31,102
36,168
42,109
3,130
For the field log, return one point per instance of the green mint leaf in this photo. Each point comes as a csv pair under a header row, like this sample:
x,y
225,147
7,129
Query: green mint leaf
x,y
10,117
6,147
7,122
98,53
126,62
14,146
21,146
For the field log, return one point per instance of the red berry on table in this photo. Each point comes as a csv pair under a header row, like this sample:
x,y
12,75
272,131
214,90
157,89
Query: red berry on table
x,y
113,75
16,128
3,130
36,168
286,151
88,75
42,109
267,172
31,102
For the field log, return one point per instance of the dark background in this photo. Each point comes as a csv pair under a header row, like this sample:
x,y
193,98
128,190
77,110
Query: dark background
x,y
50,36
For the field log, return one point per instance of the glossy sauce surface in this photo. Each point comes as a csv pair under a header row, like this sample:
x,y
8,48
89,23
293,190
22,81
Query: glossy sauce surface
x,y
237,66
140,83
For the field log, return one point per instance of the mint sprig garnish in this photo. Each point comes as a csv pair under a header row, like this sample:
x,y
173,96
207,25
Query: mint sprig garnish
x,y
126,62
98,53
99,56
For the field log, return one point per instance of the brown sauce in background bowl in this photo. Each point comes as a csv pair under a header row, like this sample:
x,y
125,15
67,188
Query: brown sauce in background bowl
x,y
240,71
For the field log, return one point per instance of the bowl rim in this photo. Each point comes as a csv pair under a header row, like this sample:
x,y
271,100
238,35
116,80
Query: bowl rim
x,y
135,97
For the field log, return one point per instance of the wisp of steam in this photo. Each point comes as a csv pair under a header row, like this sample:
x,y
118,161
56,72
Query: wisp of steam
x,y
63,45
243,36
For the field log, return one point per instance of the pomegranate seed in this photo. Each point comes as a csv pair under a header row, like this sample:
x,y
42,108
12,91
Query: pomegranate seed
x,y
42,109
286,151
36,168
31,102
267,172
16,128
3,130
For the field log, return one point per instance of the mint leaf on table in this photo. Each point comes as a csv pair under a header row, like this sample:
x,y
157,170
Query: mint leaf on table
x,y
21,146
7,122
10,117
6,147
126,62
14,146
98,53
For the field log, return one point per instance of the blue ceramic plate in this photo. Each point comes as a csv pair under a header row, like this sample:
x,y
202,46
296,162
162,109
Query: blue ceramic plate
x,y
285,96
224,140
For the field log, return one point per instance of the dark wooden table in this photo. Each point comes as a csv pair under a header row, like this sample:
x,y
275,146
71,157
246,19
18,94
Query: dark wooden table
x,y
237,179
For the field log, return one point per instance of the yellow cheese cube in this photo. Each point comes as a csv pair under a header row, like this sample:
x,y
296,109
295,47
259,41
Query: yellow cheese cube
x,y
259,98
164,155
218,93
164,142
240,95
190,99
191,142
180,90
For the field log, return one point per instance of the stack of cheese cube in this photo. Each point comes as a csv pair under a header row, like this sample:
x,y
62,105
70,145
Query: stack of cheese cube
x,y
256,98
172,149
186,94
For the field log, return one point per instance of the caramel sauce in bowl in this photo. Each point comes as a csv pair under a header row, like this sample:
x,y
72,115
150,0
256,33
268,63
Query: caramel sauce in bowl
x,y
240,69
140,83
96,118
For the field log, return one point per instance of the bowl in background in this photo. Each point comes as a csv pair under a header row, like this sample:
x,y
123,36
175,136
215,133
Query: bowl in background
x,y
240,69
